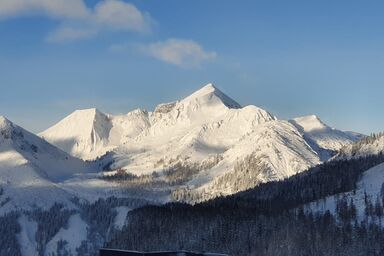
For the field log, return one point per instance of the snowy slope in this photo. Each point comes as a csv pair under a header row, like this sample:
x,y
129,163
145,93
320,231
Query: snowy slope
x,y
371,145
275,145
30,169
73,234
83,133
27,236
121,216
369,186
324,139
52,162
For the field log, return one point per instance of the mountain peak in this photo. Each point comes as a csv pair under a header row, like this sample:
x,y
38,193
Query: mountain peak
x,y
3,121
210,93
310,123
88,115
310,118
206,89
88,126
6,126
87,111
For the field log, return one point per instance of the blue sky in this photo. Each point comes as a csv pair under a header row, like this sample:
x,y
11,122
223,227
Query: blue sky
x,y
292,58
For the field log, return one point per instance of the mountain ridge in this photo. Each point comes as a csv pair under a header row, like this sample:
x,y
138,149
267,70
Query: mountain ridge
x,y
204,125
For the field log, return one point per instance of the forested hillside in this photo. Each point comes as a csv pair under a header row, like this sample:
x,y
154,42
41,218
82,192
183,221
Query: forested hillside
x,y
268,220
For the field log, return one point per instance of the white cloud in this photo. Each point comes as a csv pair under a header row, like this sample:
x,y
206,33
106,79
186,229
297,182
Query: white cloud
x,y
120,15
62,9
179,52
78,20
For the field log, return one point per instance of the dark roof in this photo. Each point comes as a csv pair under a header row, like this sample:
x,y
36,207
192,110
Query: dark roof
x,y
113,252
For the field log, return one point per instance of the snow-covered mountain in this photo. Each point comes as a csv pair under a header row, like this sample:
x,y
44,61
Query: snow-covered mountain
x,y
272,151
192,150
206,127
89,133
326,141
35,174
42,192
30,169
